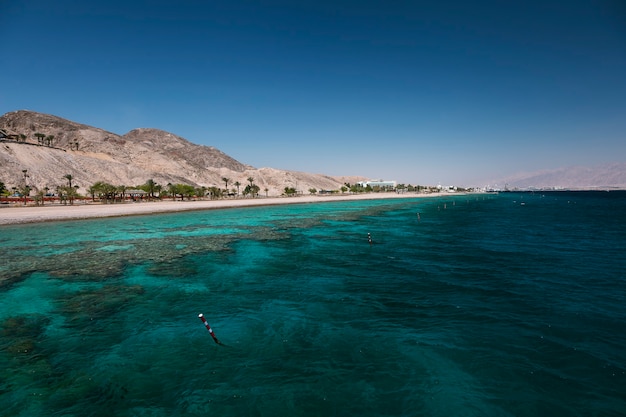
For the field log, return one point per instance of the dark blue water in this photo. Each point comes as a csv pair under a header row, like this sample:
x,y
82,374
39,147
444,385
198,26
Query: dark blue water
x,y
483,305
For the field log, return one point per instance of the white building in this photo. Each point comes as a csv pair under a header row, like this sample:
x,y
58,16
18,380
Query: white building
x,y
378,183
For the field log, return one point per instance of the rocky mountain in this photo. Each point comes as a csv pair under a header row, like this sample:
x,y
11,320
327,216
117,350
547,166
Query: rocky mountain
x,y
50,147
603,177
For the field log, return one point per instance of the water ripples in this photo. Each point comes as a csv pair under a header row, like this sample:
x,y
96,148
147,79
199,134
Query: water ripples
x,y
482,307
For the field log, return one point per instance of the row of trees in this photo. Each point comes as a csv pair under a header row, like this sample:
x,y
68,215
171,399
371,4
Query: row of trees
x,y
150,190
66,193
42,139
110,193
251,189
357,188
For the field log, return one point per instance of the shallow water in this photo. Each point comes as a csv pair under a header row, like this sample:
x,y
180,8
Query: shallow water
x,y
479,306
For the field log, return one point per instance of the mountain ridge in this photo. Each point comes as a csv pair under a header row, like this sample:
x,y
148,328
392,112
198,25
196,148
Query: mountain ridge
x,y
92,154
601,177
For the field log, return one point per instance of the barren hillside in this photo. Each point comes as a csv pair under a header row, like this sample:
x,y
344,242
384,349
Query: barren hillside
x,y
606,177
91,154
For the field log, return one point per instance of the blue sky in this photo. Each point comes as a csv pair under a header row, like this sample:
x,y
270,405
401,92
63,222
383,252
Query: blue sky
x,y
423,92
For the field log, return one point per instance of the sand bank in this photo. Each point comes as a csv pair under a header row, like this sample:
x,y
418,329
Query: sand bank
x,y
33,214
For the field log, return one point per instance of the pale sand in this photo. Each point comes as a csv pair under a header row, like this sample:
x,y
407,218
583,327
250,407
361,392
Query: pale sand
x,y
33,214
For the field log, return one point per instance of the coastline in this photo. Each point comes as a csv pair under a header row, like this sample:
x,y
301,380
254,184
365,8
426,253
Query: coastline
x,y
38,214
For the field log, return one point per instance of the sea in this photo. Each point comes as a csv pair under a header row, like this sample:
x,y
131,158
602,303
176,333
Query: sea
x,y
510,304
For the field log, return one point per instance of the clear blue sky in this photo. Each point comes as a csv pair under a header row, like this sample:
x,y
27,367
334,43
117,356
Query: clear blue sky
x,y
424,92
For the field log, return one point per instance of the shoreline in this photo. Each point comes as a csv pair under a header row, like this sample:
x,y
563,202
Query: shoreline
x,y
39,214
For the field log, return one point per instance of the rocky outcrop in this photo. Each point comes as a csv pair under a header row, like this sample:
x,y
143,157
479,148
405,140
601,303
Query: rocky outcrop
x,y
91,154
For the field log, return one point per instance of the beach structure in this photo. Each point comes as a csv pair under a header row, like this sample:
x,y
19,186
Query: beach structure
x,y
136,194
6,134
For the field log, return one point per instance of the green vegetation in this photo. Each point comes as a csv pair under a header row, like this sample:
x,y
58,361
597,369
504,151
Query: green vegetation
x,y
251,190
109,193
290,191
150,187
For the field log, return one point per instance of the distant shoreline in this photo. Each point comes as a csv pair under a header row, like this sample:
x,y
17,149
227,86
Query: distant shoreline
x,y
39,214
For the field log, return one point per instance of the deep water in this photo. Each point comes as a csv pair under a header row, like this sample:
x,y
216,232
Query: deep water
x,y
462,305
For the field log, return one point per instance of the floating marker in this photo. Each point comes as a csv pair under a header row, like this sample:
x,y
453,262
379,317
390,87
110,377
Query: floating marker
x,y
208,327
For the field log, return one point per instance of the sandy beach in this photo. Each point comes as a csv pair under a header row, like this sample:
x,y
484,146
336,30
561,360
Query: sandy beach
x,y
33,214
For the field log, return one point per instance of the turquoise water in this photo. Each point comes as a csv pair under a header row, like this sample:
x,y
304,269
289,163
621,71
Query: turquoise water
x,y
483,305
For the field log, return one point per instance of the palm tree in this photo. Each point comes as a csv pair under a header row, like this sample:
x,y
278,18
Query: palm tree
x,y
25,191
249,188
186,190
69,179
3,188
226,180
71,193
121,189
93,189
49,140
59,190
266,190
40,137
106,190
39,197
150,187
201,192
237,184
69,190
215,192
176,189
